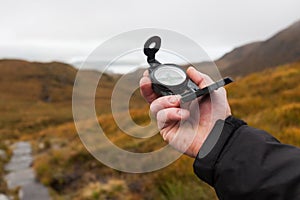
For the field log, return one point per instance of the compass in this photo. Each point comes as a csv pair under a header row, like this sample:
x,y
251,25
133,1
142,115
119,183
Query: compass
x,y
171,79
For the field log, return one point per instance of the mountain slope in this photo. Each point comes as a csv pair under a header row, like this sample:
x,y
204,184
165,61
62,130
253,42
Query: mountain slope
x,y
22,80
37,95
270,100
284,47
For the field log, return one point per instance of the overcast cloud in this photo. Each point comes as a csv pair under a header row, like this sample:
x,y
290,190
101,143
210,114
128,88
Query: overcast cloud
x,y
47,30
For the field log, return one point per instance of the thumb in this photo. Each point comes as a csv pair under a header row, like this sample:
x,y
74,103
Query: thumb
x,y
201,80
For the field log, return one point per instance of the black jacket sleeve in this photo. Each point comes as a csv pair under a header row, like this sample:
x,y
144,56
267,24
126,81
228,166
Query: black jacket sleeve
x,y
246,163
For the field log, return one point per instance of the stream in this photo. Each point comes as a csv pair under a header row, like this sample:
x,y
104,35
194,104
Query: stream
x,y
21,174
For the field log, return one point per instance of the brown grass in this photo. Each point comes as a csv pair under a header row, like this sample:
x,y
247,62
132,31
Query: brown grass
x,y
269,100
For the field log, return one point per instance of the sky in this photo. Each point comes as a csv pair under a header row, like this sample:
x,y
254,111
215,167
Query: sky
x,y
68,31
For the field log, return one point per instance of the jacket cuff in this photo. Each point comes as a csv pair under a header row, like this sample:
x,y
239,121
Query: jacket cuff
x,y
213,146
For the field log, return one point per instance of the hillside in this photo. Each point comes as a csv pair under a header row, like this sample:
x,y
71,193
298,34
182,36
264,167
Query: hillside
x,y
274,107
269,100
283,47
36,106
46,82
36,95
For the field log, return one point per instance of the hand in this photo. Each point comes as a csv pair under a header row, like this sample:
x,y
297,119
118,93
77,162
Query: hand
x,y
187,126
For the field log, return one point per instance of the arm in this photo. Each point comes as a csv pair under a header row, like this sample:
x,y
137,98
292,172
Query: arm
x,y
248,163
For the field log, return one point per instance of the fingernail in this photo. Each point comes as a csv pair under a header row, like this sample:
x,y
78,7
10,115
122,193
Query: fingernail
x,y
192,68
173,99
146,73
182,112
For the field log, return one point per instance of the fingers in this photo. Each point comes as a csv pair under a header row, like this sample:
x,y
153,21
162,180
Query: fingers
x,y
161,103
171,115
146,88
202,80
167,110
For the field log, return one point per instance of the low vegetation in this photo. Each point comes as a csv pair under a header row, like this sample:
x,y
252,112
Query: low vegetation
x,y
269,100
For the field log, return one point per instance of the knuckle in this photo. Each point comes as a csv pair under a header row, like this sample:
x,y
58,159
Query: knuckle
x,y
153,108
161,115
168,115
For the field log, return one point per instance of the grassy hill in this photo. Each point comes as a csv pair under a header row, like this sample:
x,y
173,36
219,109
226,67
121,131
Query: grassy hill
x,y
37,95
282,48
269,100
34,96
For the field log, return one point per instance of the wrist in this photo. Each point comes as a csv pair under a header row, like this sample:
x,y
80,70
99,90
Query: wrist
x,y
199,140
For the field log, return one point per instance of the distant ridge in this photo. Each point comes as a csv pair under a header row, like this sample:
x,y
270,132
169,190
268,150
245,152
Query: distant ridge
x,y
25,80
283,47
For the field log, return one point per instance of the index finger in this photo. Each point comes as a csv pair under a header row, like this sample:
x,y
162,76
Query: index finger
x,y
146,89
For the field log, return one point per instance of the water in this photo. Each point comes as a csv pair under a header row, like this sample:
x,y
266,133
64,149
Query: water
x,y
21,174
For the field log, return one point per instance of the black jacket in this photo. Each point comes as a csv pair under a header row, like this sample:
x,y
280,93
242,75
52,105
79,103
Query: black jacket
x,y
243,163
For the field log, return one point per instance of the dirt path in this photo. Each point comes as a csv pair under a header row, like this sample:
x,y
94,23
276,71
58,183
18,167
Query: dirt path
x,y
22,175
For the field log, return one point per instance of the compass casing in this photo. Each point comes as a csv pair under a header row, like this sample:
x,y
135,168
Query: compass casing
x,y
168,79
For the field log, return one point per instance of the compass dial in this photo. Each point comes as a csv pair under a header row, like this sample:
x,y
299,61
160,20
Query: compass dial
x,y
170,75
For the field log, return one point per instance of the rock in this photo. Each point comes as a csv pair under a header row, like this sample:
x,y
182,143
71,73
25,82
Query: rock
x,y
21,158
24,158
3,197
34,191
22,145
19,162
20,178
19,165
21,150
41,145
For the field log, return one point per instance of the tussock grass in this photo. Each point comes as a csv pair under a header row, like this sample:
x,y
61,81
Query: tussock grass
x,y
269,100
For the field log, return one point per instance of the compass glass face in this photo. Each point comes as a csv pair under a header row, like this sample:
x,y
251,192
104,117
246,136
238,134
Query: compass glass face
x,y
170,75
